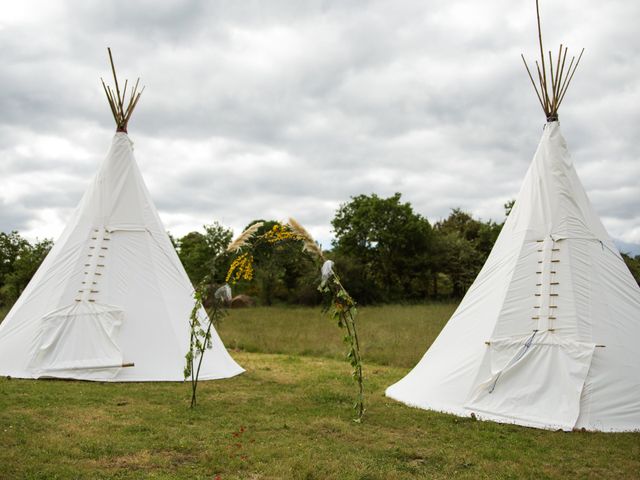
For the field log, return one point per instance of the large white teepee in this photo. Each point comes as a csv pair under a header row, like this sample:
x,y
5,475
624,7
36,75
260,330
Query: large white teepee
x,y
111,301
548,335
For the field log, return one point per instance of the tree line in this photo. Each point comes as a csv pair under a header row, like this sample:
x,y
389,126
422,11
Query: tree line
x,y
19,260
384,250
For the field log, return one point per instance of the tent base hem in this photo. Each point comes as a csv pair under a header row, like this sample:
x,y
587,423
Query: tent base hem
x,y
483,416
21,376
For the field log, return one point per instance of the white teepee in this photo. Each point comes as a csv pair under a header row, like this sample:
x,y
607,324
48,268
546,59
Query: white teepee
x,y
111,301
548,335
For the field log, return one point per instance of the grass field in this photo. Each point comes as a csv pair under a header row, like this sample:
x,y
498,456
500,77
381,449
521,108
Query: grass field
x,y
390,335
289,416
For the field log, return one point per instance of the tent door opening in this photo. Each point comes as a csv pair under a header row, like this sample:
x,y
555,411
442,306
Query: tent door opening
x,y
83,335
535,380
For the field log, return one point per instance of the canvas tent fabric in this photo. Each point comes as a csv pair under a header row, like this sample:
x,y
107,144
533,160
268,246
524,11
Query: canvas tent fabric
x,y
548,335
111,292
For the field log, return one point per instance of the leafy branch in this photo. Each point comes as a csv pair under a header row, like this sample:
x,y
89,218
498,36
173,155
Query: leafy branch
x,y
200,335
343,311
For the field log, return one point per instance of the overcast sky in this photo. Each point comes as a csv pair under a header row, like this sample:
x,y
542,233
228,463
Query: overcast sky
x,y
269,109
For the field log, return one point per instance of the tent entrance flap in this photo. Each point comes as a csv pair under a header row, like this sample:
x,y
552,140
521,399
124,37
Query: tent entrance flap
x,y
535,380
81,336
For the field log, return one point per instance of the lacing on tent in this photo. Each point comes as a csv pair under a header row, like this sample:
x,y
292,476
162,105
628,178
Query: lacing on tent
x,y
94,266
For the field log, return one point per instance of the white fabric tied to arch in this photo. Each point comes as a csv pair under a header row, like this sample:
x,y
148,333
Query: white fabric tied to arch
x,y
223,293
326,271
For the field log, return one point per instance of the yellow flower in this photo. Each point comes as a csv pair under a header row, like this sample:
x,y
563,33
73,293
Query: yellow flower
x,y
280,233
241,268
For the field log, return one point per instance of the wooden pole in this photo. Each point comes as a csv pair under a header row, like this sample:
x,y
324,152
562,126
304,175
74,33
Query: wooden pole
x,y
555,81
560,76
115,79
532,81
544,70
571,76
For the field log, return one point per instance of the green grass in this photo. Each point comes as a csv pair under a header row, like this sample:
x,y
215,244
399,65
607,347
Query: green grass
x,y
289,416
390,335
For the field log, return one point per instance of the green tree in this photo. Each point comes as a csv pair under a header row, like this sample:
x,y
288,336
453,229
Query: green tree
x,y
11,244
508,207
383,247
634,265
19,261
202,253
462,247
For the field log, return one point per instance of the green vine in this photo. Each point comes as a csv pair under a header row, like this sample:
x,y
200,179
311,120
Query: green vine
x,y
200,335
343,311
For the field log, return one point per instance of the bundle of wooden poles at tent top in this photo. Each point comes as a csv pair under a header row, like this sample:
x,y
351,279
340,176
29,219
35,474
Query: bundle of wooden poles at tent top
x,y
117,101
551,96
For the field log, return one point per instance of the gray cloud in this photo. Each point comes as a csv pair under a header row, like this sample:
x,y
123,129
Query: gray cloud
x,y
257,109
